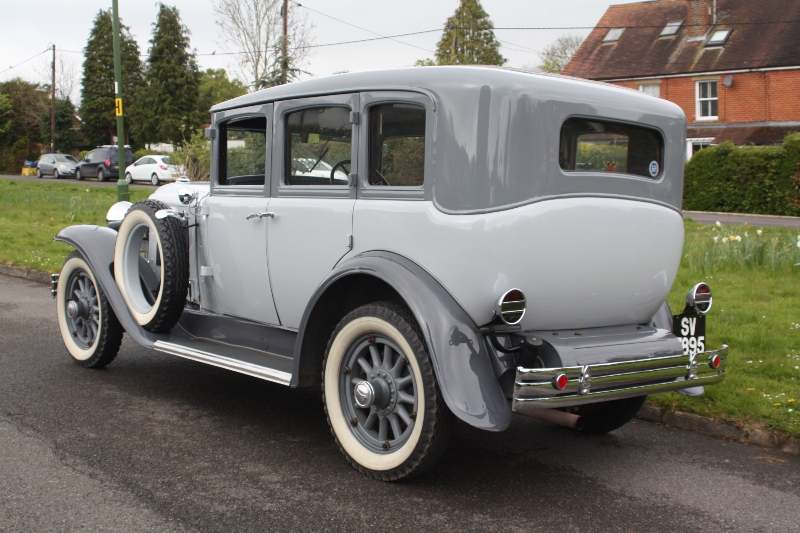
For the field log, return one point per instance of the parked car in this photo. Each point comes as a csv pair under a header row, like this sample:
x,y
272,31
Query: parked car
x,y
56,165
102,163
466,264
153,168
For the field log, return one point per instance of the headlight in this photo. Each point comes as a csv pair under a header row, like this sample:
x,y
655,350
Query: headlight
x,y
62,166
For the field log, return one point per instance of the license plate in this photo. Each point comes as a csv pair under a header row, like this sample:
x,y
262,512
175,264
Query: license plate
x,y
690,328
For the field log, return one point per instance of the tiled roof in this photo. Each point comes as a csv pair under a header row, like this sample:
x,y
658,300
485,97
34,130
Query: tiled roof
x,y
641,51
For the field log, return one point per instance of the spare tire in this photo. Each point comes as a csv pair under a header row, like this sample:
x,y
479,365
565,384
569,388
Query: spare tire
x,y
151,266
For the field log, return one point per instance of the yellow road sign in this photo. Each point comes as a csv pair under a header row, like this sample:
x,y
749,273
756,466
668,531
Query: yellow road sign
x,y
118,104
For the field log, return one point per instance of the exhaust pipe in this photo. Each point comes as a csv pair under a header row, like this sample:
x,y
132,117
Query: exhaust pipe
x,y
555,416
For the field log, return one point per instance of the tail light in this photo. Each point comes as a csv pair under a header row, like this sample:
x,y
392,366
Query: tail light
x,y
560,382
511,307
715,361
108,162
162,167
700,298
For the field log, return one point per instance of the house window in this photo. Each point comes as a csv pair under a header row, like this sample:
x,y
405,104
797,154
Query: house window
x,y
707,100
653,89
613,35
718,38
671,28
694,145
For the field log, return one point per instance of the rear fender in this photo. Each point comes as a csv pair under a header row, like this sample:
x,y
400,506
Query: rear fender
x,y
96,245
460,358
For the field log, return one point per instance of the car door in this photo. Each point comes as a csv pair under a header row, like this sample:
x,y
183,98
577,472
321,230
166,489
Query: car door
x,y
135,169
45,166
145,169
311,229
89,168
236,267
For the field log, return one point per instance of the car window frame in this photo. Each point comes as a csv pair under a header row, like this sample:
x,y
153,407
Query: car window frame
x,y
218,119
282,110
381,192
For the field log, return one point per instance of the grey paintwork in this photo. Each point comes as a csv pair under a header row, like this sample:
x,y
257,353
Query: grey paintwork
x,y
460,357
496,132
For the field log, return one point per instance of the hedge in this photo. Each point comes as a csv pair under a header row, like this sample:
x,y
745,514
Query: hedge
x,y
749,179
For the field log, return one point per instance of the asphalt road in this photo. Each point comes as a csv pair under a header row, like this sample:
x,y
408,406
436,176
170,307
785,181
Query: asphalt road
x,y
86,181
158,443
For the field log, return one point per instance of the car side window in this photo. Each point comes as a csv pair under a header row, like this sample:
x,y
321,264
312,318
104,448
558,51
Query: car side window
x,y
397,145
89,156
243,151
147,161
318,146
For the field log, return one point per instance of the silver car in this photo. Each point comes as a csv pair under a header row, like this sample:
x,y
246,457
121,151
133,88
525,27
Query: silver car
x,y
57,166
422,244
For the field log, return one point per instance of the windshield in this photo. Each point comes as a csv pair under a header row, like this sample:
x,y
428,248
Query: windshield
x,y
65,158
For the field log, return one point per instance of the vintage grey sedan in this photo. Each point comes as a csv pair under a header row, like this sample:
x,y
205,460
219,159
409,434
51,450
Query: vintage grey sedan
x,y
422,244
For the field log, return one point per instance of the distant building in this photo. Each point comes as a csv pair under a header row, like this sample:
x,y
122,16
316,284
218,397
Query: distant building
x,y
732,65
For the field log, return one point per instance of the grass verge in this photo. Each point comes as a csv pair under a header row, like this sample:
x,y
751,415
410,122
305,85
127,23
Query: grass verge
x,y
753,272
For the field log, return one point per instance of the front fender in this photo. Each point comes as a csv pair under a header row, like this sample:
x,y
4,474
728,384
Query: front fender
x,y
96,245
459,355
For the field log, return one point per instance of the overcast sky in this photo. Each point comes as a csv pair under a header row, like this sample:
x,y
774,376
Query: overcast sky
x,y
29,28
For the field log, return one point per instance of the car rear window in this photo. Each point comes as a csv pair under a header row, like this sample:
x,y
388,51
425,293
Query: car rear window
x,y
596,145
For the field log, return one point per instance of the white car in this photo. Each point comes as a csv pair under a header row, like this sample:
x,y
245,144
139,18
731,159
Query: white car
x,y
153,168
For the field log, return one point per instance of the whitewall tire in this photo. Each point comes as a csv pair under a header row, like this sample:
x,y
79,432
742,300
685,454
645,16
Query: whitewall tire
x,y
381,397
151,266
89,328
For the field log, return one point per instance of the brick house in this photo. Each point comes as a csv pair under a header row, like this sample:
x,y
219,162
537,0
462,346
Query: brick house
x,y
732,65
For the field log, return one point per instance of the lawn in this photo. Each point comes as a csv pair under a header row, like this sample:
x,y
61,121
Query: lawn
x,y
754,274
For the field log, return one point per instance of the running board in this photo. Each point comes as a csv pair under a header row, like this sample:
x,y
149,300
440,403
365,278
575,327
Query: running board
x,y
237,359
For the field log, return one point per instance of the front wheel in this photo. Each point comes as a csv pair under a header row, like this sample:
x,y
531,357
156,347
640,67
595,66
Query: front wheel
x,y
381,397
55,174
128,178
78,175
89,327
601,418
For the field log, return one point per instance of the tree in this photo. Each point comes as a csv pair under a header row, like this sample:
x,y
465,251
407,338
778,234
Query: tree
x,y
468,38
557,54
21,111
252,29
172,82
67,134
215,87
97,95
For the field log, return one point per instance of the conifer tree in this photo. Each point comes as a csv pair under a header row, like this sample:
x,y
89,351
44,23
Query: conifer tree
x,y
172,82
468,38
97,95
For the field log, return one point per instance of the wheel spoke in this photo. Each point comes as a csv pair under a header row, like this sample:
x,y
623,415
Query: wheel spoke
x,y
405,397
387,356
398,366
402,382
376,356
365,366
369,423
355,381
383,428
402,413
394,421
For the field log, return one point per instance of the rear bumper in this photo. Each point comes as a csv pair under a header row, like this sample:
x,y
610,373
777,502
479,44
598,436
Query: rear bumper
x,y
534,387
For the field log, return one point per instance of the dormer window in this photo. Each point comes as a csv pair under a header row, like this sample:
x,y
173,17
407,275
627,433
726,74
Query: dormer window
x,y
718,38
613,35
671,28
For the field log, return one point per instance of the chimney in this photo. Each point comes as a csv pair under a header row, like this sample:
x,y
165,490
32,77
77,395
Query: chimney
x,y
700,16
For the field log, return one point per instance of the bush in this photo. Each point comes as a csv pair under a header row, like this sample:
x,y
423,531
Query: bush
x,y
762,180
195,156
144,151
82,154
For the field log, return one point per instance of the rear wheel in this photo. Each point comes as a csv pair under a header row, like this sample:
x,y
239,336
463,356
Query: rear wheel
x,y
55,174
601,418
381,397
154,179
89,327
151,266
101,176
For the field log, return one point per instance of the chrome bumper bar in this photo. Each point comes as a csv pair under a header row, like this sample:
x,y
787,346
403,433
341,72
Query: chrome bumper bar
x,y
535,388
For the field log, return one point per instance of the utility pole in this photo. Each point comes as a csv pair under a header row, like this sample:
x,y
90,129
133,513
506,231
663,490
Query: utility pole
x,y
53,105
285,43
122,186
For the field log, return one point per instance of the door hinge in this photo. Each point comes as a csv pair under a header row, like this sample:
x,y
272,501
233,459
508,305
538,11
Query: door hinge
x,y
354,117
350,241
352,180
206,272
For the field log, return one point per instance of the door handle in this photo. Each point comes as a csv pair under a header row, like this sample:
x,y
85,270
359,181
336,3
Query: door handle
x,y
268,214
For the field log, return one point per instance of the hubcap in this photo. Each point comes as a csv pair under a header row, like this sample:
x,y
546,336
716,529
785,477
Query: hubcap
x,y
378,393
82,309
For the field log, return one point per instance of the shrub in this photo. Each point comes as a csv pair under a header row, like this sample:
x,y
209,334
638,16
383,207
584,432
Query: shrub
x,y
749,179
144,151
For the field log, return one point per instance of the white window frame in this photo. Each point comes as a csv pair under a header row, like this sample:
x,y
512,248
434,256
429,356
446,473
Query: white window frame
x,y
698,101
613,35
657,87
702,141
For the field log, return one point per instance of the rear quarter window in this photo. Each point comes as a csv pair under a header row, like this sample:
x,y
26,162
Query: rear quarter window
x,y
596,145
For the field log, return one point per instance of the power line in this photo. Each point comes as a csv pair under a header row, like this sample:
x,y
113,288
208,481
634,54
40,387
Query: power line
x,y
21,62
744,23
364,29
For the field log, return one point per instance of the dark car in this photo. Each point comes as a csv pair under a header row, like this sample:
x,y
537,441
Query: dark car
x,y
102,163
56,165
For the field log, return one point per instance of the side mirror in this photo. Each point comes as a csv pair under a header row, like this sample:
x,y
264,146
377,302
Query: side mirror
x,y
187,195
